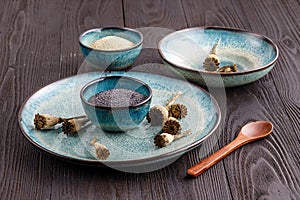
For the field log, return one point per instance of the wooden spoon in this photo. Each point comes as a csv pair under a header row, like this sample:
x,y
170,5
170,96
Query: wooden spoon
x,y
249,133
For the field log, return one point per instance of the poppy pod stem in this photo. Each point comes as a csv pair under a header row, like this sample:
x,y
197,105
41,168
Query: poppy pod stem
x,y
215,47
77,117
173,99
176,137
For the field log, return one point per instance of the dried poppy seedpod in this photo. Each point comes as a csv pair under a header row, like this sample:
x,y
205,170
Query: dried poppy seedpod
x,y
228,68
45,121
158,114
171,126
164,139
73,125
178,111
102,151
212,62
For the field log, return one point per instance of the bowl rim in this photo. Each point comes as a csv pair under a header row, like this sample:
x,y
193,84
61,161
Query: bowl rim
x,y
263,37
149,97
111,27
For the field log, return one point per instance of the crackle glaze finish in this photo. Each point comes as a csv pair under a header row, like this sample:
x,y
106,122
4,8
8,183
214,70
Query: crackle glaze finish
x,y
111,60
116,119
131,148
185,51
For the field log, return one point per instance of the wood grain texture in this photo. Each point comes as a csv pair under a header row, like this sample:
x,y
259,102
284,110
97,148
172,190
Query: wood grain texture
x,y
271,98
141,15
241,139
161,13
79,17
263,157
214,13
39,45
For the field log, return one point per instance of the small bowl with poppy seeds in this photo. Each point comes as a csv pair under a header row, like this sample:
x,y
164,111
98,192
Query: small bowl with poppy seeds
x,y
116,103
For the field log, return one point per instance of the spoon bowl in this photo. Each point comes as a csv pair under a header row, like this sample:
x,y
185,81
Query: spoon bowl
x,y
249,133
258,129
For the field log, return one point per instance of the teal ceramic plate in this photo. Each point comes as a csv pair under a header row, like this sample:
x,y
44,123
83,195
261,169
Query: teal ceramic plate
x,y
185,51
132,151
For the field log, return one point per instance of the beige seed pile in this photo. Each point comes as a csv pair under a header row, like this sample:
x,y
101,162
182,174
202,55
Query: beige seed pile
x,y
112,43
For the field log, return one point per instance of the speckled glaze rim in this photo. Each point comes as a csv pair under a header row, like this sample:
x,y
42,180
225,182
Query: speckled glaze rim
x,y
118,28
118,77
265,38
104,163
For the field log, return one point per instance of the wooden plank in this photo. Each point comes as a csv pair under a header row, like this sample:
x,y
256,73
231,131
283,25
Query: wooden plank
x,y
40,43
260,164
256,170
79,17
170,15
162,13
214,13
97,14
7,89
154,19
281,102
39,53
29,66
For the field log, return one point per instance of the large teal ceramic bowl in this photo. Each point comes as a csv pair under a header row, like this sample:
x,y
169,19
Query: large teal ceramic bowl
x,y
111,59
119,117
185,51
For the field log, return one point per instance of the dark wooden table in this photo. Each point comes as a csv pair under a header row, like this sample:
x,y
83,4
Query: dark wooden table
x,y
39,45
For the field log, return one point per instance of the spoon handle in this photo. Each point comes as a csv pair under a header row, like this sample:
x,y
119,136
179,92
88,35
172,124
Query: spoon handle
x,y
208,162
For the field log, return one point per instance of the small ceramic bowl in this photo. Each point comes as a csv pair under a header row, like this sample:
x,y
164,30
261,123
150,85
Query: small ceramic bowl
x,y
119,118
185,51
111,59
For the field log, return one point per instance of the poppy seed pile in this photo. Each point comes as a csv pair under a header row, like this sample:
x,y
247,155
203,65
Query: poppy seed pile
x,y
117,98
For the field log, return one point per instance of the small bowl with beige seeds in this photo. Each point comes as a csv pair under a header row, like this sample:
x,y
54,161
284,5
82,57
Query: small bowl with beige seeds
x,y
111,48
